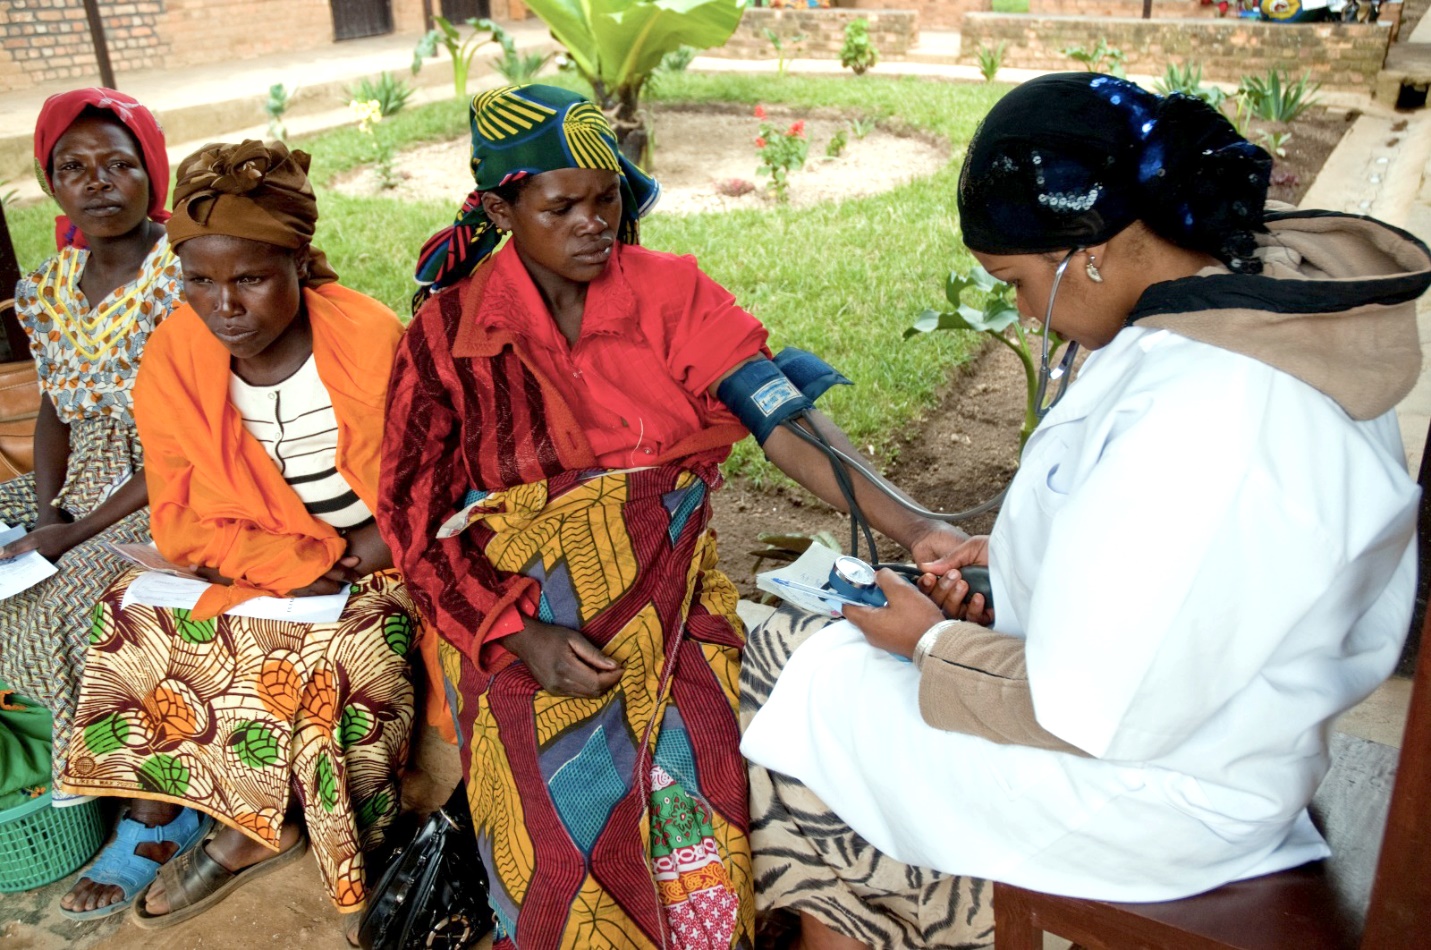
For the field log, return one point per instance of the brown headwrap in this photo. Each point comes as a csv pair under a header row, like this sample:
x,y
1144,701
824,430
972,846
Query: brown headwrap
x,y
252,190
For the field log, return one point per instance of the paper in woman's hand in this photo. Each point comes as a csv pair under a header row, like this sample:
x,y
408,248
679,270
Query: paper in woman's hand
x,y
148,557
21,573
802,583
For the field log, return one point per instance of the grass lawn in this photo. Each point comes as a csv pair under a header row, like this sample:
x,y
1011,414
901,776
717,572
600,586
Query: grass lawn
x,y
1011,6
842,280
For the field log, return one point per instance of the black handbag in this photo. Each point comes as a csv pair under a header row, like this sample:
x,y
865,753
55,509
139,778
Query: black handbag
x,y
433,893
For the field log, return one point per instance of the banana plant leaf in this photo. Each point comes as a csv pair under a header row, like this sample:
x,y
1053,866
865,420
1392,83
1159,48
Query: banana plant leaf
x,y
621,41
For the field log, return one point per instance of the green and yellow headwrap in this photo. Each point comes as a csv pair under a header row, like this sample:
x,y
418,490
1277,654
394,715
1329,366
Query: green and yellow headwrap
x,y
521,131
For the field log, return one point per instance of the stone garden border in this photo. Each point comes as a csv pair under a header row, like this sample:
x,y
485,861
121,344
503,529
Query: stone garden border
x,y
1344,57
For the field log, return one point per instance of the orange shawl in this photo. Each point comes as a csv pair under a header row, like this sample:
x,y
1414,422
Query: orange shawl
x,y
215,497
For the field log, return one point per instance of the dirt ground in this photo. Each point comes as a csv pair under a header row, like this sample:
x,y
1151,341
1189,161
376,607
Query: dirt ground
x,y
702,156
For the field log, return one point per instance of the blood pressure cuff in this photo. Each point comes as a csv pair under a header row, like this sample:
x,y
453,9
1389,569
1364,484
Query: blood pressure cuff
x,y
762,397
810,374
764,393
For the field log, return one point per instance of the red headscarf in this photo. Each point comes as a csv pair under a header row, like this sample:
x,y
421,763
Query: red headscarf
x,y
59,113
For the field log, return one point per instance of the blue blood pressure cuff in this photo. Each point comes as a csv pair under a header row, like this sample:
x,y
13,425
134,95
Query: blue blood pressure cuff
x,y
764,393
810,374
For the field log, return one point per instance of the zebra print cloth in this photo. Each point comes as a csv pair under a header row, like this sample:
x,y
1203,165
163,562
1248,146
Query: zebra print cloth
x,y
806,859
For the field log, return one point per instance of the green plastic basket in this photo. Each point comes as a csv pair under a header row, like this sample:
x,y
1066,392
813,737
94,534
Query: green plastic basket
x,y
40,843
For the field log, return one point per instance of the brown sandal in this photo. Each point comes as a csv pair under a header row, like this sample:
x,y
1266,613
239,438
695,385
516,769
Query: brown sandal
x,y
194,882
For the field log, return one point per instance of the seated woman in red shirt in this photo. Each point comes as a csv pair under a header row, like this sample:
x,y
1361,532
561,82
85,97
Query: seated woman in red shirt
x,y
553,437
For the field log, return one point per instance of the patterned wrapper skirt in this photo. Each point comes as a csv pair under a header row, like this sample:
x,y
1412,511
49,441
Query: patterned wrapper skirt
x,y
618,821
807,859
44,630
232,715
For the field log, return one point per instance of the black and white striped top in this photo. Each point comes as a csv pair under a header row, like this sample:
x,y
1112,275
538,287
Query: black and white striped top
x,y
295,424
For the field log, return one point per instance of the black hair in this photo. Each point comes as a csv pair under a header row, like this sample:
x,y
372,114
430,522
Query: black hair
x,y
510,191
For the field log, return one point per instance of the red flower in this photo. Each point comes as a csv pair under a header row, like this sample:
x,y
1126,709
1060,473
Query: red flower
x,y
760,112
760,141
797,129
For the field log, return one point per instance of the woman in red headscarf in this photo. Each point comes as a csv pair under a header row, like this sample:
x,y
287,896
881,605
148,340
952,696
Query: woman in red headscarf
x,y
88,311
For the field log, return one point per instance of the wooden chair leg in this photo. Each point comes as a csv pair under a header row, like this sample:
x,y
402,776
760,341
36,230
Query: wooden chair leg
x,y
1014,927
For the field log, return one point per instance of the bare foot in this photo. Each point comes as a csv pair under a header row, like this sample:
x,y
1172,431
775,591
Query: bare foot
x,y
88,895
815,935
235,851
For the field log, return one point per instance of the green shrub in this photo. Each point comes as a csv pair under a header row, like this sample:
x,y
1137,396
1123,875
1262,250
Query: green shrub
x,y
516,67
389,93
1275,142
1277,97
1101,59
999,319
279,98
781,151
990,60
783,55
678,60
1187,79
858,52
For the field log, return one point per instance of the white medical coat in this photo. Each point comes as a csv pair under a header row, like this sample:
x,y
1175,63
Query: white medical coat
x,y
1209,560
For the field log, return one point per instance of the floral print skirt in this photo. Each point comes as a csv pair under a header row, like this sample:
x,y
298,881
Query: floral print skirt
x,y
232,715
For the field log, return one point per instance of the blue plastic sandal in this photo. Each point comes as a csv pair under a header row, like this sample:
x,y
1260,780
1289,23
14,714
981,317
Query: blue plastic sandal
x,y
120,867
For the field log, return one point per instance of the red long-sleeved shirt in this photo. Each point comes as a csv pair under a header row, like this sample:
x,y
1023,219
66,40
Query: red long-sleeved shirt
x,y
486,393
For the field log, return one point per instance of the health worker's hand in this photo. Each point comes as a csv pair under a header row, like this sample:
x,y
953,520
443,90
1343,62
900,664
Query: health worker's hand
x,y
563,661
898,625
943,584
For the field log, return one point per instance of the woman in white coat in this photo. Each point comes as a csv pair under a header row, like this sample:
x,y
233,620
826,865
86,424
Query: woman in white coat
x,y
1206,555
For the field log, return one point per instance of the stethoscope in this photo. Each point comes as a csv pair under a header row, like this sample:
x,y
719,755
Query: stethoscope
x,y
1060,372
1047,374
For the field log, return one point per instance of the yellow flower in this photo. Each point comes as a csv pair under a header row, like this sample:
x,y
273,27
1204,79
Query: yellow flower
x,y
368,113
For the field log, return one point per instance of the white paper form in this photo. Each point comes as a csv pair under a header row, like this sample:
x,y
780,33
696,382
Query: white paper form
x,y
21,573
171,591
802,583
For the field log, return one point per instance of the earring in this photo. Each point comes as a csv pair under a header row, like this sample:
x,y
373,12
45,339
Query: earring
x,y
1092,271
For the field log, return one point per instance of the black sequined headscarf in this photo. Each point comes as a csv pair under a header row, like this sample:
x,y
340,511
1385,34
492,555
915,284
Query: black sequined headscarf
x,y
1071,159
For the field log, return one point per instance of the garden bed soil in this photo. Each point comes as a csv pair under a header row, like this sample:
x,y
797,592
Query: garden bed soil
x,y
1315,133
700,154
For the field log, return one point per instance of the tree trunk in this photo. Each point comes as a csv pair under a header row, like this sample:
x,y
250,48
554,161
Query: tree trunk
x,y
622,106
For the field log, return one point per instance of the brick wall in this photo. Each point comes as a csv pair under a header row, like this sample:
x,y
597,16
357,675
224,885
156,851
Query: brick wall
x,y
933,14
1124,8
893,33
48,40
44,41
1343,57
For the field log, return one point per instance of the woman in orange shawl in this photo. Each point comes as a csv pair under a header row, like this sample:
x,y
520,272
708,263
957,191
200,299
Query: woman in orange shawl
x,y
260,406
